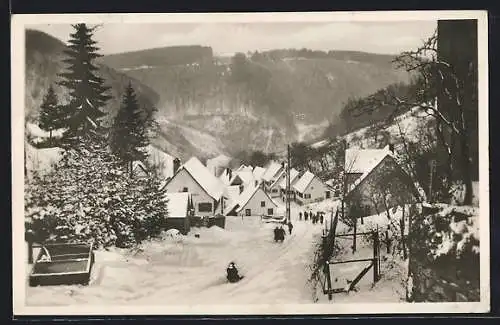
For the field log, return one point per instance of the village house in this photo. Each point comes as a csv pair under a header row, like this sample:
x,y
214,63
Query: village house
x,y
294,177
273,171
382,185
274,188
207,190
310,188
254,201
180,211
358,161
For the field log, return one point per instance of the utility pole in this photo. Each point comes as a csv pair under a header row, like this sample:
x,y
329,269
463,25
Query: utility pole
x,y
288,184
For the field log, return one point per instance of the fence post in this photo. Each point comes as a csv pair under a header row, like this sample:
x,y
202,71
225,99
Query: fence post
x,y
328,280
354,235
376,261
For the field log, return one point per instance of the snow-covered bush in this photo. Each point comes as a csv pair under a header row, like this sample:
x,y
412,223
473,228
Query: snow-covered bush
x,y
448,240
88,196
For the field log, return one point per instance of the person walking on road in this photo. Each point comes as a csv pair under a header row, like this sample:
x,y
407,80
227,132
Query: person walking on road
x,y
300,216
305,215
290,227
321,218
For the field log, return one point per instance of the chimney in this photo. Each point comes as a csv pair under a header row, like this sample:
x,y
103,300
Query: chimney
x,y
177,164
391,147
230,173
256,183
241,188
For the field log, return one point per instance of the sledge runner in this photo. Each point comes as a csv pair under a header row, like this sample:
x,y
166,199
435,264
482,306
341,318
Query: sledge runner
x,y
232,273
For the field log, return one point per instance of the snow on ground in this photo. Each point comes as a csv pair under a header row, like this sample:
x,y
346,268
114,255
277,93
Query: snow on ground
x,y
192,271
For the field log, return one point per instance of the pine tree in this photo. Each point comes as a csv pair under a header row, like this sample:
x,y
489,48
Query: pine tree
x,y
51,114
86,89
129,132
89,197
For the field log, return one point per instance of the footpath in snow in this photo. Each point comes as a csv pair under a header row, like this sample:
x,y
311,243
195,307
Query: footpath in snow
x,y
192,270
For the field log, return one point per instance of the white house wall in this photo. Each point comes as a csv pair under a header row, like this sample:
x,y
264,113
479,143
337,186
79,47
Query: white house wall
x,y
317,189
254,205
183,179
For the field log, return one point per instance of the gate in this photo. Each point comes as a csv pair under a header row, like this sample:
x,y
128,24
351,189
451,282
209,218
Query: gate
x,y
328,288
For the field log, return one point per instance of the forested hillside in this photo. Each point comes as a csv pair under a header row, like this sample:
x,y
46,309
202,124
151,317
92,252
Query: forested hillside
x,y
44,62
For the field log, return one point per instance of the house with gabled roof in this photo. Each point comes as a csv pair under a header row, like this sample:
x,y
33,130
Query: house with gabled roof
x,y
272,171
207,190
274,189
358,161
253,201
310,188
382,185
294,177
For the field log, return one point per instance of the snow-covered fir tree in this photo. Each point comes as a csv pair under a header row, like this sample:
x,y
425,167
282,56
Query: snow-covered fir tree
x,y
87,90
51,114
88,196
129,132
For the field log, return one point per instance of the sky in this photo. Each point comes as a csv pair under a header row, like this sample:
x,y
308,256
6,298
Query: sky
x,y
228,38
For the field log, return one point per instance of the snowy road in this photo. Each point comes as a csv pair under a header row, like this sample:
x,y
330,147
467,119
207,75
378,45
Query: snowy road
x,y
193,271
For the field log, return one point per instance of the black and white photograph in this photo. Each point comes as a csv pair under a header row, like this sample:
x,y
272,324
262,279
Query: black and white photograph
x,y
252,163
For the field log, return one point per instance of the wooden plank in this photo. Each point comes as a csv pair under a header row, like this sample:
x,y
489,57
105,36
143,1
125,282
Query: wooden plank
x,y
360,276
351,234
353,261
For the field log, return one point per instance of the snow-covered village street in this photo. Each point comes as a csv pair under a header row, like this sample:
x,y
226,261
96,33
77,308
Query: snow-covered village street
x,y
192,270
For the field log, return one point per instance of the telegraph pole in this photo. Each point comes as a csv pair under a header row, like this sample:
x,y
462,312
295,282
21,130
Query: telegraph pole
x,y
288,216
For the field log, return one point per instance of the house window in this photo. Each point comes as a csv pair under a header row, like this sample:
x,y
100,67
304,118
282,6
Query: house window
x,y
248,212
262,203
270,211
205,207
185,189
328,194
274,190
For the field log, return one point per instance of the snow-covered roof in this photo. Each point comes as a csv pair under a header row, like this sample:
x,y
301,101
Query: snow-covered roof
x,y
224,177
361,160
258,172
232,193
211,184
247,195
271,171
246,176
294,176
369,169
177,204
303,182
278,177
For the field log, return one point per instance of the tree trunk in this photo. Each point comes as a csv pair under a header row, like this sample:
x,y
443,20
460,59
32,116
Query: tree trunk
x,y
466,166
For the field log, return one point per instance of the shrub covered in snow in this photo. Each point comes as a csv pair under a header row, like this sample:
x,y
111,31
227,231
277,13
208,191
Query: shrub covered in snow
x,y
88,197
447,240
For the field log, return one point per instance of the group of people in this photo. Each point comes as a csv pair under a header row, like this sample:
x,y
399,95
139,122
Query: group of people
x,y
279,231
315,217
